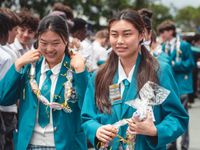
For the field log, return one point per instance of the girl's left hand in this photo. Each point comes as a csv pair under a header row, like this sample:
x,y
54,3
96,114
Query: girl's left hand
x,y
77,62
145,127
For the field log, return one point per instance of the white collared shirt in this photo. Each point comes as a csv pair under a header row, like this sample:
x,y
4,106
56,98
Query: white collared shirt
x,y
18,48
45,136
157,50
5,64
122,76
172,42
87,52
99,53
8,49
147,44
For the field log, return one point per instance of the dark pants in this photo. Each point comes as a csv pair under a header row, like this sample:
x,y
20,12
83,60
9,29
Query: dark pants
x,y
8,123
185,136
195,79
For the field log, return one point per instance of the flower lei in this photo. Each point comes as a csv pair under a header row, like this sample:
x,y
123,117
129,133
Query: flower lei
x,y
177,46
178,50
67,92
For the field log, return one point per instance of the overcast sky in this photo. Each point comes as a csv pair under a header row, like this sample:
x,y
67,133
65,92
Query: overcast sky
x,y
181,3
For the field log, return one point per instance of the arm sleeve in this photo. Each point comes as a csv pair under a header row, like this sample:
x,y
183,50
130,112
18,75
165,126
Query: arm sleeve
x,y
5,64
81,81
89,115
187,61
174,118
10,87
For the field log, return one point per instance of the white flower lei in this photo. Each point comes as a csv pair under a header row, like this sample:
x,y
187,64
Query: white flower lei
x,y
44,100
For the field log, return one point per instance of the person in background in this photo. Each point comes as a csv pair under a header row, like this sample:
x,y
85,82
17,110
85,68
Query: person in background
x,y
128,68
25,33
15,21
79,31
182,63
195,47
67,12
150,36
156,49
9,113
146,15
99,45
7,117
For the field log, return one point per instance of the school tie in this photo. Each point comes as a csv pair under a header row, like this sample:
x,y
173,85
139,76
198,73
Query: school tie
x,y
44,111
124,96
126,87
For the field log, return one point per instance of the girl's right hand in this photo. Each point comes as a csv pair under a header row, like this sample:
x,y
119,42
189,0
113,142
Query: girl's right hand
x,y
29,57
106,133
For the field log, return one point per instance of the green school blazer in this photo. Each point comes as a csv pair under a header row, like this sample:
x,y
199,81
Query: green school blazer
x,y
182,70
171,117
68,133
162,57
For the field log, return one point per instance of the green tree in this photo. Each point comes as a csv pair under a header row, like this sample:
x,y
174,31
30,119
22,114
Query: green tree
x,y
188,18
160,13
141,4
95,10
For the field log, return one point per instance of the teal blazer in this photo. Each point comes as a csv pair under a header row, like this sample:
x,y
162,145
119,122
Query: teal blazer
x,y
162,57
182,69
68,133
171,117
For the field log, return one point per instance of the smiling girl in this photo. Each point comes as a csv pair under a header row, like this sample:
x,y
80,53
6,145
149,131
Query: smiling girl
x,y
51,95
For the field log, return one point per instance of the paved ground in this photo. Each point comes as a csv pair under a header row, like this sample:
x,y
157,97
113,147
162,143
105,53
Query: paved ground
x,y
194,125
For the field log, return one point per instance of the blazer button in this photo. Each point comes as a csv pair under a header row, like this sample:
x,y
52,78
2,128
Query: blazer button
x,y
55,128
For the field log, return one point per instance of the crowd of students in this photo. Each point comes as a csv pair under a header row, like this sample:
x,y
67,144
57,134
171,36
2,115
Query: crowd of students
x,y
61,89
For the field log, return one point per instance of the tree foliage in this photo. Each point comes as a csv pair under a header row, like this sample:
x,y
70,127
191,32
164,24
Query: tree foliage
x,y
160,13
96,10
188,18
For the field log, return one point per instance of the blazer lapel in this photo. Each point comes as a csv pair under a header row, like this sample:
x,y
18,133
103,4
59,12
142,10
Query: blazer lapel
x,y
132,91
61,80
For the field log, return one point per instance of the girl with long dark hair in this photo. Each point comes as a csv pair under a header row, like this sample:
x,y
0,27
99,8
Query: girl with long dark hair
x,y
119,80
